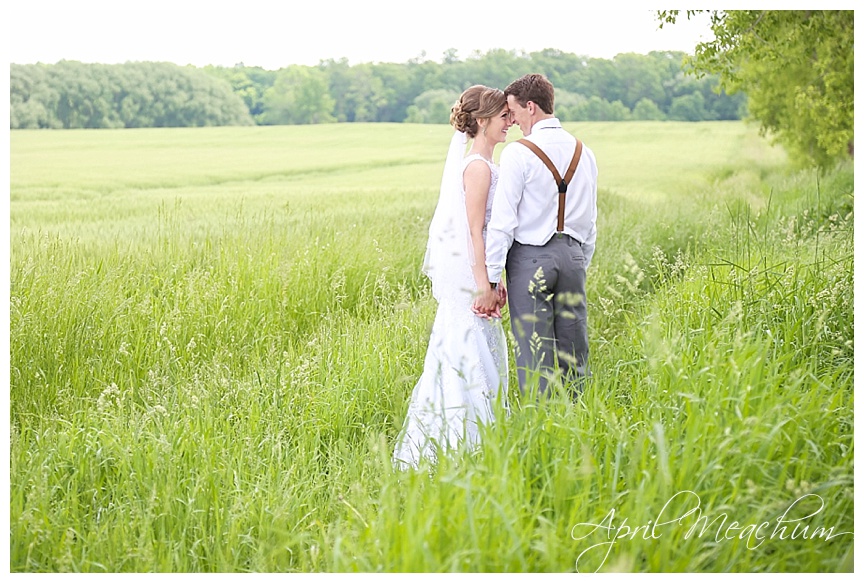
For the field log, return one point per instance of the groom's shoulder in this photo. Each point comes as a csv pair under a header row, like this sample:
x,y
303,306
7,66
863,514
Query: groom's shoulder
x,y
588,155
512,150
585,146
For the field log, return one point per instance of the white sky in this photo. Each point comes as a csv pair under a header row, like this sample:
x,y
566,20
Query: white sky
x,y
273,35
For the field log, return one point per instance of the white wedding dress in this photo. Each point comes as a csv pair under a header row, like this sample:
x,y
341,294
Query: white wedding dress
x,y
465,370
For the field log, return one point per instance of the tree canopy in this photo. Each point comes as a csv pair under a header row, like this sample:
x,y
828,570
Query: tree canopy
x,y
77,95
629,86
796,67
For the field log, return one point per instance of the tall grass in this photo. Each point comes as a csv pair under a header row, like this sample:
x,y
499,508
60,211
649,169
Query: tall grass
x,y
214,334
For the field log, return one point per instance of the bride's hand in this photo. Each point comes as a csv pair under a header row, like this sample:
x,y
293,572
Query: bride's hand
x,y
486,304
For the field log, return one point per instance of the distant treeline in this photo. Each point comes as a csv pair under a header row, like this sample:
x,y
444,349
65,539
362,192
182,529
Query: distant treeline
x,y
630,86
133,95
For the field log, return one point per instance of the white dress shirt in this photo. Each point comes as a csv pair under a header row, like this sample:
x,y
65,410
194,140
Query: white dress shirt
x,y
525,207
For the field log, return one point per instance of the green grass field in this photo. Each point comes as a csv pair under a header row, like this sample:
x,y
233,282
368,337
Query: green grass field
x,y
215,333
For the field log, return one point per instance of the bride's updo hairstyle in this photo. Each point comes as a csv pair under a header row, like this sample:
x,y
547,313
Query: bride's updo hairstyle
x,y
476,102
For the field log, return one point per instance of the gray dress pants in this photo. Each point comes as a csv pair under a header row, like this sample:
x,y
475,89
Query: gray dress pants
x,y
548,313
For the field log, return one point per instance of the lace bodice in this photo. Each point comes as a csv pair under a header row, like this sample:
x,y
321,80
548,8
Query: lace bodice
x,y
492,184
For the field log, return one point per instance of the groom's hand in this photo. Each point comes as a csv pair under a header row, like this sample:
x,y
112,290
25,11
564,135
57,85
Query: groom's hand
x,y
502,295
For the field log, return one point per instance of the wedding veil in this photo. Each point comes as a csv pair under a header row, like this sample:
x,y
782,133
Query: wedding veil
x,y
449,253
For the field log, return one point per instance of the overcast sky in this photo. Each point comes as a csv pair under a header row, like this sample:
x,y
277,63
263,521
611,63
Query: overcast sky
x,y
271,35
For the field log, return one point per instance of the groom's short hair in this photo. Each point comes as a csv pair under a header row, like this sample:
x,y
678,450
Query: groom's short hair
x,y
534,87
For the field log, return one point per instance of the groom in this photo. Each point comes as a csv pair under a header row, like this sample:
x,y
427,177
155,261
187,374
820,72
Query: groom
x,y
544,232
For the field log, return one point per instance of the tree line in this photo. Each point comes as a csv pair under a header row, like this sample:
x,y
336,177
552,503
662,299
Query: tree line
x,y
793,71
71,94
629,86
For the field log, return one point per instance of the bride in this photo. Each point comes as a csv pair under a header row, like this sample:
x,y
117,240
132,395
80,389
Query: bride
x,y
465,369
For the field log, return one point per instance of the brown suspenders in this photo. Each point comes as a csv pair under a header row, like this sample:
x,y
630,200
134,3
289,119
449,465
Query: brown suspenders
x,y
561,182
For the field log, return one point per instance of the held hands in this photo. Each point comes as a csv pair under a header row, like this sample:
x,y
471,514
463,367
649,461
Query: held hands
x,y
489,303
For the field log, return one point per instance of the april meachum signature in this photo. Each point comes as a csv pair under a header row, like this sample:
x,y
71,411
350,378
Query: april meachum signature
x,y
749,532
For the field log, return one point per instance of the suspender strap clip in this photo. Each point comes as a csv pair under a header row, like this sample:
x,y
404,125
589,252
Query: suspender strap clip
x,y
562,187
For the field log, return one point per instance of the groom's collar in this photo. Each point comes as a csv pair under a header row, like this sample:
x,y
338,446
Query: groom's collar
x,y
551,122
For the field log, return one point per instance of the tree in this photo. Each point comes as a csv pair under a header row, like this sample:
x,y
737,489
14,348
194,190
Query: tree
x,y
647,110
31,98
688,108
249,83
432,106
134,100
639,78
79,95
339,82
395,92
719,105
567,104
617,111
146,94
598,109
450,56
602,79
797,69
184,97
299,96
